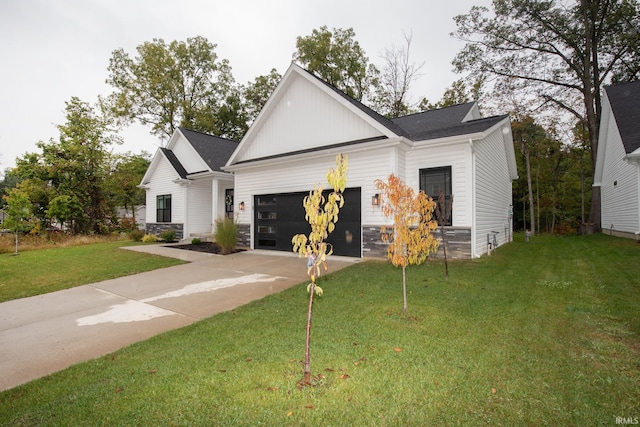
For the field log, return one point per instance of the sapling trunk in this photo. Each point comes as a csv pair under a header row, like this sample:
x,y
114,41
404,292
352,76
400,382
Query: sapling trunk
x,y
307,356
444,249
404,290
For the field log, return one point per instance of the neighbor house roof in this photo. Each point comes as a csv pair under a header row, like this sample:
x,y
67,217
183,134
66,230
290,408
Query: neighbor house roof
x,y
214,150
625,103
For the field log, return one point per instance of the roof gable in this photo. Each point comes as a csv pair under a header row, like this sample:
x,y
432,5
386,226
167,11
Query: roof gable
x,y
304,113
625,105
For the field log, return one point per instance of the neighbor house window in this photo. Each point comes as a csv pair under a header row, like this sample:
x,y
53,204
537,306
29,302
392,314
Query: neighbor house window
x,y
163,208
434,181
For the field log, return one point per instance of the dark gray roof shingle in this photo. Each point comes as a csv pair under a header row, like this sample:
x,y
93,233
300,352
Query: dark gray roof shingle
x,y
625,104
432,120
214,150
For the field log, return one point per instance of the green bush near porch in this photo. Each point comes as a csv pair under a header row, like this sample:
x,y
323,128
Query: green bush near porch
x,y
227,234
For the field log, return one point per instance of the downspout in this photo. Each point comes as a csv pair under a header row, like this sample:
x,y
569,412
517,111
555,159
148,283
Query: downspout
x,y
474,254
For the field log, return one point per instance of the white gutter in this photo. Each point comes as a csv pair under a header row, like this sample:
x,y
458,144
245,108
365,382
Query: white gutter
x,y
331,152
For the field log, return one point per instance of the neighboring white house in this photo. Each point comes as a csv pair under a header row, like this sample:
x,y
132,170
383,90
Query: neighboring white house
x,y
306,123
186,189
617,170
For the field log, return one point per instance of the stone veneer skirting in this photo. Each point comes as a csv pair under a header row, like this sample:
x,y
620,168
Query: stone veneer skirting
x,y
156,228
244,235
458,241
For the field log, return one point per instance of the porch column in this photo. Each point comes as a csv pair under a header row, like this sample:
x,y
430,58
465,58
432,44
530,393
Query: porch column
x,y
215,190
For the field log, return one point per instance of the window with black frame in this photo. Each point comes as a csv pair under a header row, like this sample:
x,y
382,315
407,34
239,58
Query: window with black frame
x,y
163,208
434,181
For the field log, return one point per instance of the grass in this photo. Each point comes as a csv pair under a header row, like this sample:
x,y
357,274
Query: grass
x,y
541,333
35,272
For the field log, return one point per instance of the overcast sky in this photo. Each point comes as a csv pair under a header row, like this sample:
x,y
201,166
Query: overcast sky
x,y
53,50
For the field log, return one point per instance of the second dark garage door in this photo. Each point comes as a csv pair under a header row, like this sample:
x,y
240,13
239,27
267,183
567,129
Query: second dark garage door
x,y
278,217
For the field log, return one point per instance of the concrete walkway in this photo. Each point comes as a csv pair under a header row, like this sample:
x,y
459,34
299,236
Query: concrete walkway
x,y
47,333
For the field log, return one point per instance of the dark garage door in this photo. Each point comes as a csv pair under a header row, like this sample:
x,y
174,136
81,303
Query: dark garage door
x,y
278,217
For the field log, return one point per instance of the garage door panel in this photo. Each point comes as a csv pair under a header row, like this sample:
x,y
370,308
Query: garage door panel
x,y
278,217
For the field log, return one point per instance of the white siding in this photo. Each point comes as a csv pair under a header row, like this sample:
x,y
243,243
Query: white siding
x,y
188,157
161,183
300,176
620,204
199,213
493,191
305,117
458,157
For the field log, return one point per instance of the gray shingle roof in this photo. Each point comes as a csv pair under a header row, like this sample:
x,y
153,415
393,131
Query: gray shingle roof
x,y
464,128
625,104
214,150
432,120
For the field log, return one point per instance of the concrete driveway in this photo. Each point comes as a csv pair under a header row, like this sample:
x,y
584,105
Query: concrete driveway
x,y
47,333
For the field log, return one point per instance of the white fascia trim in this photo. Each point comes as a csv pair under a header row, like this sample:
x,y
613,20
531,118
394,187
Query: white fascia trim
x,y
349,149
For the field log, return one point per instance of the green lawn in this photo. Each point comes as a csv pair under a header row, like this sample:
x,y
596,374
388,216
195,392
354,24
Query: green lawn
x,y
37,272
541,333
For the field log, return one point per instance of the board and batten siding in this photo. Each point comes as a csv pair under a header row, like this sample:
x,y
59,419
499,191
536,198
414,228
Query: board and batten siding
x,y
493,191
189,159
619,188
305,117
161,183
456,155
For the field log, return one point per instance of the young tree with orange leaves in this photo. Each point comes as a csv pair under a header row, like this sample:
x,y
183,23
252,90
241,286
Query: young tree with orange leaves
x,y
322,215
411,240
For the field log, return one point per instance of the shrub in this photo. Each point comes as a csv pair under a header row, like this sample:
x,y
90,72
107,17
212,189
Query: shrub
x,y
136,235
149,238
128,224
168,236
195,241
226,234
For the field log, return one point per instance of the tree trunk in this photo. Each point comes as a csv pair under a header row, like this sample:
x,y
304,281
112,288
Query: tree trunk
x,y
404,290
444,250
307,357
532,225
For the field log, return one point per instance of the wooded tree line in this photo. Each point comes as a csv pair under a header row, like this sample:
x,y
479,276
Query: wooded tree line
x,y
544,62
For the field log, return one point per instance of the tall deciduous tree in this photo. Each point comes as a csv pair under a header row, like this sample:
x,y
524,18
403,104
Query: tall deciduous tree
x,y
564,50
122,182
76,166
257,93
322,214
411,239
396,77
336,57
172,85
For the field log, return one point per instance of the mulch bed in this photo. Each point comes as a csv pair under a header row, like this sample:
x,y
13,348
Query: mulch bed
x,y
208,247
